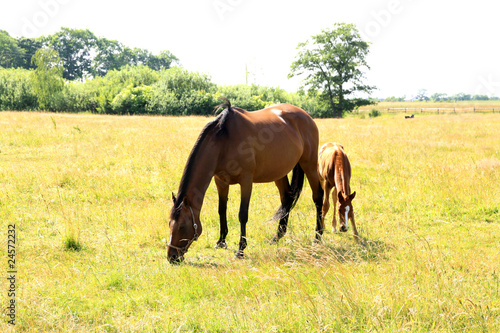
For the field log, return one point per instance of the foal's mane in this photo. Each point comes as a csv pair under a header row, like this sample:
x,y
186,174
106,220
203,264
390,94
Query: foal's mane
x,y
342,160
217,127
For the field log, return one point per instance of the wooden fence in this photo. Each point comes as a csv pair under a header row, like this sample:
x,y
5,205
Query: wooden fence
x,y
441,110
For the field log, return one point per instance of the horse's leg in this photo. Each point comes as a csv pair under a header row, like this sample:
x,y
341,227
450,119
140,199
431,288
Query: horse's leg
x,y
311,170
284,188
326,202
223,190
246,192
356,237
334,220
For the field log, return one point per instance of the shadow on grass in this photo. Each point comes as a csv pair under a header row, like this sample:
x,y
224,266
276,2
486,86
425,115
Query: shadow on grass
x,y
334,249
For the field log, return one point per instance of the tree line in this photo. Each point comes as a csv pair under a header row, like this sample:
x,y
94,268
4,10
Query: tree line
x,y
442,97
75,71
83,54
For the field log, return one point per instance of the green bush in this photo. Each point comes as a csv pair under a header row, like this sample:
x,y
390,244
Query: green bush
x,y
132,100
255,97
76,97
141,90
244,96
16,90
180,92
374,113
111,85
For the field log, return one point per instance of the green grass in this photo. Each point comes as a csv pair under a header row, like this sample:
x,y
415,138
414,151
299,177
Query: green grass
x,y
427,209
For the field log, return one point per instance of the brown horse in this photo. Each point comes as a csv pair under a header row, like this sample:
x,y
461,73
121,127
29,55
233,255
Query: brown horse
x,y
335,172
241,147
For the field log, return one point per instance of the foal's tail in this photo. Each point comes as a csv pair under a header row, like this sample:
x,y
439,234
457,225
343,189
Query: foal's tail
x,y
294,194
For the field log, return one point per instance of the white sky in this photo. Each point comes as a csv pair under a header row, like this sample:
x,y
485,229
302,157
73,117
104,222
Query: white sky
x,y
442,46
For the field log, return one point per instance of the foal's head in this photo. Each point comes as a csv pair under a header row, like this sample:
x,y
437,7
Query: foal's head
x,y
184,230
345,210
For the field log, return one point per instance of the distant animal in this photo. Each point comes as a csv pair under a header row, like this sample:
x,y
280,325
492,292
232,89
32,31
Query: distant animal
x,y
408,117
334,171
241,147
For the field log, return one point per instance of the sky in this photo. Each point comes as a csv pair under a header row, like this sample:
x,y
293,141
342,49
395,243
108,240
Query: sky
x,y
442,46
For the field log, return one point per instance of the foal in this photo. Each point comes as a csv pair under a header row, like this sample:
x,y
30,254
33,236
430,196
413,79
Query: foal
x,y
334,171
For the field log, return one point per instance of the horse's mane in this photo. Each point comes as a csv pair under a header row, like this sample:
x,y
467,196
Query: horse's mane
x,y
217,127
345,166
341,163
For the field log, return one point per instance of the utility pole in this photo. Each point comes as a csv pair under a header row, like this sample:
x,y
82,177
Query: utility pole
x,y
246,74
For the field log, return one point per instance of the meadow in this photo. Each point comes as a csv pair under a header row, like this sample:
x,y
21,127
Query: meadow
x,y
90,197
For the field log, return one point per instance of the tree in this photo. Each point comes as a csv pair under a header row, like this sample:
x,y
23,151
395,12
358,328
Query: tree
x,y
162,61
113,55
422,96
11,55
30,46
439,97
109,57
332,64
48,76
75,47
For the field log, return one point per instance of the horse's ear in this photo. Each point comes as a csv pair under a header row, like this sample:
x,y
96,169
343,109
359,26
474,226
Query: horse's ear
x,y
351,197
173,197
185,202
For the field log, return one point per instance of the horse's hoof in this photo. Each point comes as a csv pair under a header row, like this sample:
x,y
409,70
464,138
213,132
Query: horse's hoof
x,y
274,240
239,255
318,239
221,245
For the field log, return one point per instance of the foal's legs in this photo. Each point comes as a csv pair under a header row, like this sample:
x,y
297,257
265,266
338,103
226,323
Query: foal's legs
x,y
334,220
356,236
223,190
326,202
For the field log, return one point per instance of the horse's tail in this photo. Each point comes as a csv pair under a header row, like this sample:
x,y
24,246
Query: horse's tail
x,y
294,194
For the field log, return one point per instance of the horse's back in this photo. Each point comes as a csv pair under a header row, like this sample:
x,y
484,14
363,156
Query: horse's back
x,y
274,139
284,113
332,162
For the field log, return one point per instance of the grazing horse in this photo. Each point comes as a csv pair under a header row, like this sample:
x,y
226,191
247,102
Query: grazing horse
x,y
335,172
241,147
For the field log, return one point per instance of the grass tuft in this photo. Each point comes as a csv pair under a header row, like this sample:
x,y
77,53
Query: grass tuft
x,y
72,244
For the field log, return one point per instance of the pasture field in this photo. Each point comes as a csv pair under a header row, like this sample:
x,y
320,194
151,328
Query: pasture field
x,y
89,196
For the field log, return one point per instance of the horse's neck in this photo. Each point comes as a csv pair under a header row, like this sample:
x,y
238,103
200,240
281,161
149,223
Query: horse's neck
x,y
341,176
202,171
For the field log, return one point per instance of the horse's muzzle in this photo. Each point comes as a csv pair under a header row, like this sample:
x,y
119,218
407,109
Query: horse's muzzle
x,y
176,259
343,228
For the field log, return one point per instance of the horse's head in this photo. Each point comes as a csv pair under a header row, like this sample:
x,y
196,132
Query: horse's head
x,y
345,210
184,230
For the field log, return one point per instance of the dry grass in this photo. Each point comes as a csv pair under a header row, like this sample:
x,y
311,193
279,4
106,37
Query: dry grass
x,y
427,210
